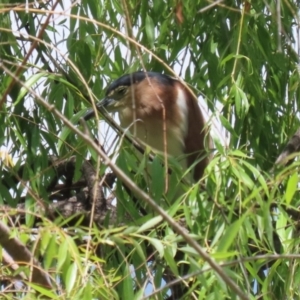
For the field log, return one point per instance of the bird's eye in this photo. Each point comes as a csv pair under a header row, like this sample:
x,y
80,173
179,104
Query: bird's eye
x,y
120,92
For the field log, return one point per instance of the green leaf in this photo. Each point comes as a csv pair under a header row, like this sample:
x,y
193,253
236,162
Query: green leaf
x,y
224,255
67,131
43,291
127,283
51,251
157,245
149,27
172,264
291,188
242,102
88,291
230,235
227,125
28,85
71,277
152,223
157,177
62,254
242,176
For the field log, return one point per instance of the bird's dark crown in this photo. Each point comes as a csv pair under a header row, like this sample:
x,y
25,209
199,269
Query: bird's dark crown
x,y
129,79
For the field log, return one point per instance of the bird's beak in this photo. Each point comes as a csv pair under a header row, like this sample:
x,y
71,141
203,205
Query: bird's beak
x,y
107,103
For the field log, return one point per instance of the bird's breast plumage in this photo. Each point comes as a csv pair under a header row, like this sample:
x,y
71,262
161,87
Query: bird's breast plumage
x,y
157,117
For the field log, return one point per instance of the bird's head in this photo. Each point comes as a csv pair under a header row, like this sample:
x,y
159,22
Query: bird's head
x,y
117,95
121,93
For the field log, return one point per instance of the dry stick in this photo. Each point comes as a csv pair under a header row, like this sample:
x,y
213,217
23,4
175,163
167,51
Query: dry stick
x,y
137,191
20,253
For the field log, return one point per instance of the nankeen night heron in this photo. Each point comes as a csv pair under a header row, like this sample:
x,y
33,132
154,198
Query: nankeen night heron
x,y
161,112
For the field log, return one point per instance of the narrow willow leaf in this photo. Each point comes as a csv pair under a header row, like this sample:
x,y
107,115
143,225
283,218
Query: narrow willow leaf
x,y
157,175
71,277
66,130
150,224
230,235
291,188
28,84
150,29
158,246
172,264
127,283
42,290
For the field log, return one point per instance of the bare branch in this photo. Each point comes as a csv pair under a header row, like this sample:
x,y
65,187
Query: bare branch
x,y
21,254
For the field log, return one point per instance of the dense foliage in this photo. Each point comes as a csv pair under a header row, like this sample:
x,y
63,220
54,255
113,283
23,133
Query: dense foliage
x,y
233,235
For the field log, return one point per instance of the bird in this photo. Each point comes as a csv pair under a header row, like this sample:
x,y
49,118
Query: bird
x,y
163,114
